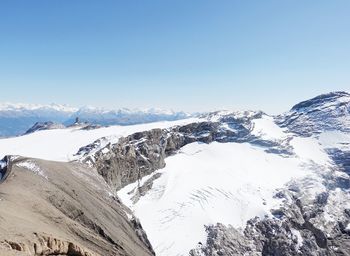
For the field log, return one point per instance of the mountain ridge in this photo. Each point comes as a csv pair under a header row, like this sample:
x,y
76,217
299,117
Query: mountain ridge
x,y
16,119
225,183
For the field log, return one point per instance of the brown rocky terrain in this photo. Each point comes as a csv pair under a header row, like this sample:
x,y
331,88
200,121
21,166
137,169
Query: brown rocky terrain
x,y
54,208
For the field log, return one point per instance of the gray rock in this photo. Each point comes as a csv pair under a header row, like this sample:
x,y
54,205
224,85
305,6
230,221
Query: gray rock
x,y
39,126
140,154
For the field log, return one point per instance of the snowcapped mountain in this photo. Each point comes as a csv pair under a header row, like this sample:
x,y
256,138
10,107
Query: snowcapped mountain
x,y
125,116
22,108
16,119
326,112
225,183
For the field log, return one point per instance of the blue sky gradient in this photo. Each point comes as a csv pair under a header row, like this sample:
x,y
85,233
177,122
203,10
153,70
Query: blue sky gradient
x,y
193,55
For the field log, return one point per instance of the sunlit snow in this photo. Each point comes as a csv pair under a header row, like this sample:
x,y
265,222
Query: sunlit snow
x,y
210,183
62,144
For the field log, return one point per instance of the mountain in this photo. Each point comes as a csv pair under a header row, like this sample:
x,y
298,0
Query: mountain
x,y
124,116
39,126
326,112
224,183
16,119
326,117
49,208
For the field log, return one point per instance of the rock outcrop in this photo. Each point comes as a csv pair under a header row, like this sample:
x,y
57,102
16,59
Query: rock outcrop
x,y
140,154
39,126
327,112
300,227
45,245
53,208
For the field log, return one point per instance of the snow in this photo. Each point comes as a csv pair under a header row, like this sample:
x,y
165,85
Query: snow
x,y
297,235
218,115
31,166
31,107
338,201
266,128
105,150
2,164
149,111
310,149
205,184
335,139
8,106
62,144
348,227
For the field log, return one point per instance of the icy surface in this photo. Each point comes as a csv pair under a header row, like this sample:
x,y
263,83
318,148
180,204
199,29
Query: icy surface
x,y
62,144
310,148
229,183
266,128
335,139
209,183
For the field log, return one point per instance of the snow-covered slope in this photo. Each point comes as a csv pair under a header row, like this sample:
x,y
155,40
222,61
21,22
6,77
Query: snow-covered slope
x,y
63,144
329,111
326,117
16,119
227,183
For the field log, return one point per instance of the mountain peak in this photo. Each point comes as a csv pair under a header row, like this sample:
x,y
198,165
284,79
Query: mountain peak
x,y
18,107
325,112
332,98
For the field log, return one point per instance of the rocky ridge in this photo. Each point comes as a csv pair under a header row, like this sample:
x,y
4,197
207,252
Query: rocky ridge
x,y
52,208
309,222
303,226
39,126
325,112
142,153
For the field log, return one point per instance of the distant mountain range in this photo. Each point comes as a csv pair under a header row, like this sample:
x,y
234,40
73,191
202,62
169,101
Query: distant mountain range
x,y
16,119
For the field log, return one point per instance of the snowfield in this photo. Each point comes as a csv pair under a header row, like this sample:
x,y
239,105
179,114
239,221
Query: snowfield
x,y
204,184
63,144
266,128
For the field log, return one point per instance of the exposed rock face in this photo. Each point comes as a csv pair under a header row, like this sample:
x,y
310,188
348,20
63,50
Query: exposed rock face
x,y
45,245
317,226
300,227
5,167
140,154
39,126
276,237
52,208
325,112
147,186
131,158
49,208
341,157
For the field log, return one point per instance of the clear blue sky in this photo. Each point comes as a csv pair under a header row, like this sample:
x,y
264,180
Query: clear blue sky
x,y
183,54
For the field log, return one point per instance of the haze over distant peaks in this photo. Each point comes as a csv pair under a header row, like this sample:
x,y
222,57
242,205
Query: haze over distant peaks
x,y
17,118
